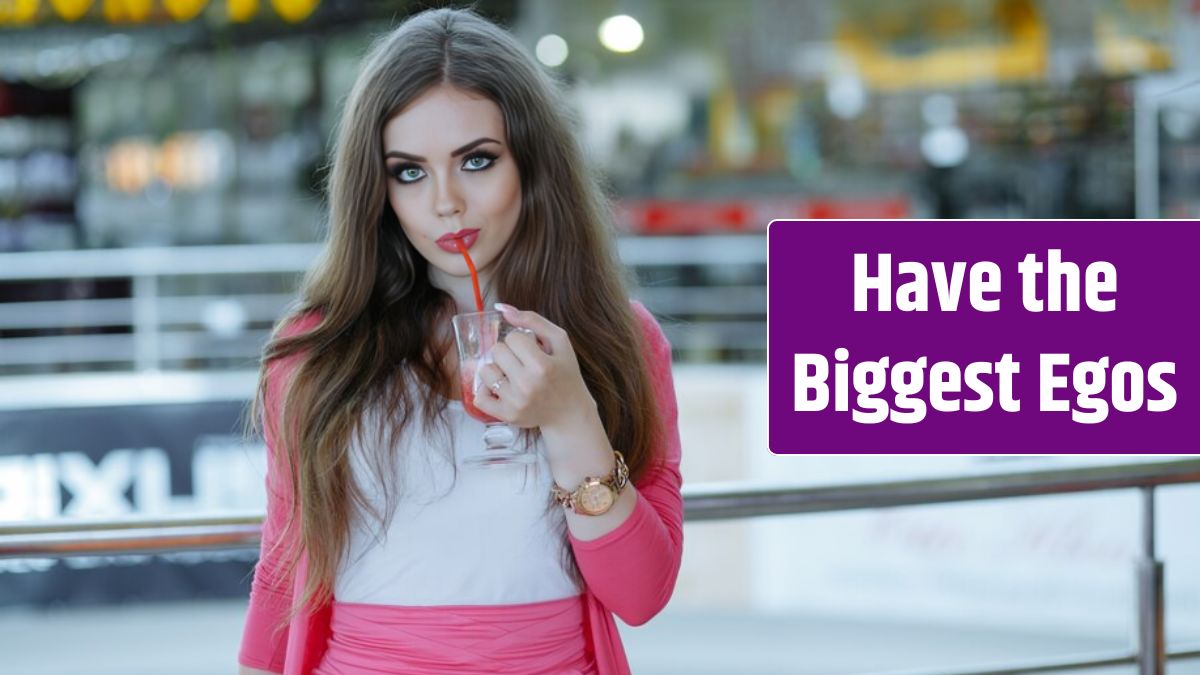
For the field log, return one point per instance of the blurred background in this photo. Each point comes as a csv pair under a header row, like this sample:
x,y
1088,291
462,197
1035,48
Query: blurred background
x,y
161,164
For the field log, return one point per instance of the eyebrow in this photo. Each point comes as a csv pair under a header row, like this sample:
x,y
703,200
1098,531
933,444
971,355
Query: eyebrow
x,y
459,151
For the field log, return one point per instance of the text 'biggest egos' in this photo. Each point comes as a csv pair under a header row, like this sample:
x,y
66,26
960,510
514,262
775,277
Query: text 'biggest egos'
x,y
905,391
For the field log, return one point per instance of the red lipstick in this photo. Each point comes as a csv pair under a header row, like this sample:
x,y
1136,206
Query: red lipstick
x,y
467,235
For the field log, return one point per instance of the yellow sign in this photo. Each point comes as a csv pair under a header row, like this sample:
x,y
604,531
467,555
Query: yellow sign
x,y
294,11
1133,36
18,12
27,12
184,10
70,10
241,11
1009,43
127,11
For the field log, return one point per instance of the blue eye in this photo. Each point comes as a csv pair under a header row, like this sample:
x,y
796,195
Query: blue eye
x,y
411,173
408,173
478,161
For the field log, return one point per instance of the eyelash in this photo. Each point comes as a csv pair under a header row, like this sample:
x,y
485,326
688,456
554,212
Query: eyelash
x,y
398,170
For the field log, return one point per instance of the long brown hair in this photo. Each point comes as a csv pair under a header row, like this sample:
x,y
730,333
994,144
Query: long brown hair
x,y
378,312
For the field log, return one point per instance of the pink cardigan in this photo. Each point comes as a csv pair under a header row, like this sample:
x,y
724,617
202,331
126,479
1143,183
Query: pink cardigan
x,y
629,572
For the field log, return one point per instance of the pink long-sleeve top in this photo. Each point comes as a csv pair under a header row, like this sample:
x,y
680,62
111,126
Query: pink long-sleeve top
x,y
629,572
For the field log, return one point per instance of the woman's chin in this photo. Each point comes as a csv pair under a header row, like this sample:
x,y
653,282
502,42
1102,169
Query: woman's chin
x,y
450,273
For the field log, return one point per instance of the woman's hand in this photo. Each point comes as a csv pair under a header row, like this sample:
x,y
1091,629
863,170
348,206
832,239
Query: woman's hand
x,y
539,380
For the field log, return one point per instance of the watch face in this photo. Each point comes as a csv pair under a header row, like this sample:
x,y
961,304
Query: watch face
x,y
595,498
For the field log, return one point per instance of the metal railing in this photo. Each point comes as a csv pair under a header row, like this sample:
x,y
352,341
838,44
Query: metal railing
x,y
203,304
723,501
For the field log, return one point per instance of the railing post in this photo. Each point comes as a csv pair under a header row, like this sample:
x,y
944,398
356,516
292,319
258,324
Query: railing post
x,y
145,322
1145,148
1151,624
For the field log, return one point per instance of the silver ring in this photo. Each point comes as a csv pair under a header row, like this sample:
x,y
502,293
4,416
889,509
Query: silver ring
x,y
495,386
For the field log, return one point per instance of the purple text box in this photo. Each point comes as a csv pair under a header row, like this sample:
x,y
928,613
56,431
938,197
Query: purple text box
x,y
811,311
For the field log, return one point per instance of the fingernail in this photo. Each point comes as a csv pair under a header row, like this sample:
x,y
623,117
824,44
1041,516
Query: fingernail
x,y
504,308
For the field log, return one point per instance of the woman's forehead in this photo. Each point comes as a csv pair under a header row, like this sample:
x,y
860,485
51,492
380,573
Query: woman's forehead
x,y
441,120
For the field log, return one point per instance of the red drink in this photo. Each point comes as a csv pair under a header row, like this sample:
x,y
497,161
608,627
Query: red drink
x,y
476,333
466,377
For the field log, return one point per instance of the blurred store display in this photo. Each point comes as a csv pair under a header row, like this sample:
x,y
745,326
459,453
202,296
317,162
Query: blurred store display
x,y
211,129
1177,139
38,169
205,123
128,458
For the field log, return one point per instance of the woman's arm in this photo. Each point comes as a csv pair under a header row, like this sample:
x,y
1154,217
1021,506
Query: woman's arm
x,y
632,569
629,556
264,641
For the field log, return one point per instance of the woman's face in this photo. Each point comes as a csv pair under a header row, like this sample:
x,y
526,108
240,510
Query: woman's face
x,y
450,174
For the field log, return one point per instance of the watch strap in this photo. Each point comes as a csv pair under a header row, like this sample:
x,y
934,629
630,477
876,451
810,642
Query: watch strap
x,y
616,481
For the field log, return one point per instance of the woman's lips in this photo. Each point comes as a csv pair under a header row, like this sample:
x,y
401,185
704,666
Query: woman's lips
x,y
448,243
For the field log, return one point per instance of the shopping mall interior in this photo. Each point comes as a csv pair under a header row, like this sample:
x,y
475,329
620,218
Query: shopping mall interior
x,y
162,191
137,123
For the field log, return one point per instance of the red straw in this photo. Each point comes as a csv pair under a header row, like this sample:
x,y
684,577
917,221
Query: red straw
x,y
474,275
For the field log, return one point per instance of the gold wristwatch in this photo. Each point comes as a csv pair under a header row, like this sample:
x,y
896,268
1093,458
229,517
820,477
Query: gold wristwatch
x,y
595,495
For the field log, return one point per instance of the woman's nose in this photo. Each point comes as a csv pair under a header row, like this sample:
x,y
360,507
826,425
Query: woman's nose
x,y
447,200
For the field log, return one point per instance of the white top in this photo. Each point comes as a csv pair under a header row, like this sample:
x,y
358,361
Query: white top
x,y
459,535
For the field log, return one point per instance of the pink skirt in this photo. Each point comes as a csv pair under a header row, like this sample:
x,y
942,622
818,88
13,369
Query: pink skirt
x,y
540,638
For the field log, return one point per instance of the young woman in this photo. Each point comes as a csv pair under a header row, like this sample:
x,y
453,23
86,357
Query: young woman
x,y
381,552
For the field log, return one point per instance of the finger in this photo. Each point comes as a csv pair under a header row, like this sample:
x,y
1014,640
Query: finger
x,y
486,378
485,384
489,406
548,332
508,363
525,347
542,344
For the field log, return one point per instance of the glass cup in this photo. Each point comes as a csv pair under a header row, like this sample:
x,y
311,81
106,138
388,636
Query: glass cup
x,y
476,334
